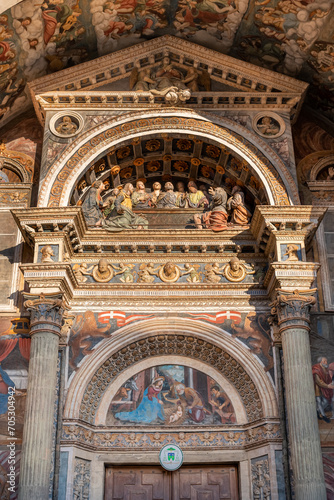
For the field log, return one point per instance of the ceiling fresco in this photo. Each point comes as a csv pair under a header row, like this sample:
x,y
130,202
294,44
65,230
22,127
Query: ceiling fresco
x,y
294,37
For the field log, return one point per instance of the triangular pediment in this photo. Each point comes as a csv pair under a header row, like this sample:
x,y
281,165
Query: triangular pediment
x,y
113,73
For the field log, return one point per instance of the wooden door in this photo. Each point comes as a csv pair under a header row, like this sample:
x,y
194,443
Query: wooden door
x,y
205,483
137,483
187,483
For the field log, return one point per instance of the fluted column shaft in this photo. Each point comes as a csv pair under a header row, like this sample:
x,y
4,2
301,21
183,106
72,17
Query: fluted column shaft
x,y
46,319
303,431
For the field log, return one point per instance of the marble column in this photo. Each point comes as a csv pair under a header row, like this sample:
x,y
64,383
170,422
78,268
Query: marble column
x,y
46,321
292,310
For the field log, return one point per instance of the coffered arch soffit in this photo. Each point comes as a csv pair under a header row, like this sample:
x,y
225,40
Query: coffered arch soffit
x,y
89,147
151,339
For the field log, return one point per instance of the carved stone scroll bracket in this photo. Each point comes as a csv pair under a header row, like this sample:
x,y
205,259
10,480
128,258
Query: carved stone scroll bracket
x,y
293,308
47,311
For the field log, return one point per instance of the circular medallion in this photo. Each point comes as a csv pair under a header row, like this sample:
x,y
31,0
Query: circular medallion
x,y
171,457
234,272
66,124
103,272
268,125
169,273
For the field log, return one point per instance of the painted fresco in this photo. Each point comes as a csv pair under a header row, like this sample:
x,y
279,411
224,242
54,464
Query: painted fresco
x,y
289,36
14,362
322,350
90,329
170,395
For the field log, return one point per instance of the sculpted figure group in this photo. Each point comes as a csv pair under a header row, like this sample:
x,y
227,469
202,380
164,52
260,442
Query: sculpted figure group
x,y
169,81
116,213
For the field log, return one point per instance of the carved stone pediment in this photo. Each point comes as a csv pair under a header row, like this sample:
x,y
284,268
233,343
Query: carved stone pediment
x,y
232,84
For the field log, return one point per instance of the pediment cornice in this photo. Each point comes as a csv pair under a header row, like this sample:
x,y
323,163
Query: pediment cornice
x,y
246,81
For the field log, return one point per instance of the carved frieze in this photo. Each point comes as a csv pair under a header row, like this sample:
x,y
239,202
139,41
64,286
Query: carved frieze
x,y
236,437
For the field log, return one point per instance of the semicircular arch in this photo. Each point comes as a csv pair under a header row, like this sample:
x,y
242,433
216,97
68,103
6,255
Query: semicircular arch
x,y
154,338
62,176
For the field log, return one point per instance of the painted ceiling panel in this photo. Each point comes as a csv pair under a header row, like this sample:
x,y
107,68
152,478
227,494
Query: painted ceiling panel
x,y
294,37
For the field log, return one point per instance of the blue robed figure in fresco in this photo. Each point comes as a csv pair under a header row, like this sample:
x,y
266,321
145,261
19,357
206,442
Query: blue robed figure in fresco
x,y
5,382
150,407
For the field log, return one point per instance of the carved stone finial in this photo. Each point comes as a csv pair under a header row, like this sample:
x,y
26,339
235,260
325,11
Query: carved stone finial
x,y
292,308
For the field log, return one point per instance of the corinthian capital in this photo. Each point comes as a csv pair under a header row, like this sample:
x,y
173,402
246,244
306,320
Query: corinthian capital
x,y
293,308
45,309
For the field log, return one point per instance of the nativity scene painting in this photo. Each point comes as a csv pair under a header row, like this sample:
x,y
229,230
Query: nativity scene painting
x,y
170,395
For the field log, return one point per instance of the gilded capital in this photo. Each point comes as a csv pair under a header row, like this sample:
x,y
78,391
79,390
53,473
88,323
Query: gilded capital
x,y
47,311
293,308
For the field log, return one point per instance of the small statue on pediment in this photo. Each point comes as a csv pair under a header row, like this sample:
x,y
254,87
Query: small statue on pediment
x,y
168,81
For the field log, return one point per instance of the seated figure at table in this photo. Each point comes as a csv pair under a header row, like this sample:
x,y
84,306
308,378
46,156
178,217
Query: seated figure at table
x,y
140,198
181,195
93,204
240,215
216,217
125,219
195,197
169,198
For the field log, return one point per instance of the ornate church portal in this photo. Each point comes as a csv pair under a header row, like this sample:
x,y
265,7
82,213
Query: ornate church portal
x,y
168,283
